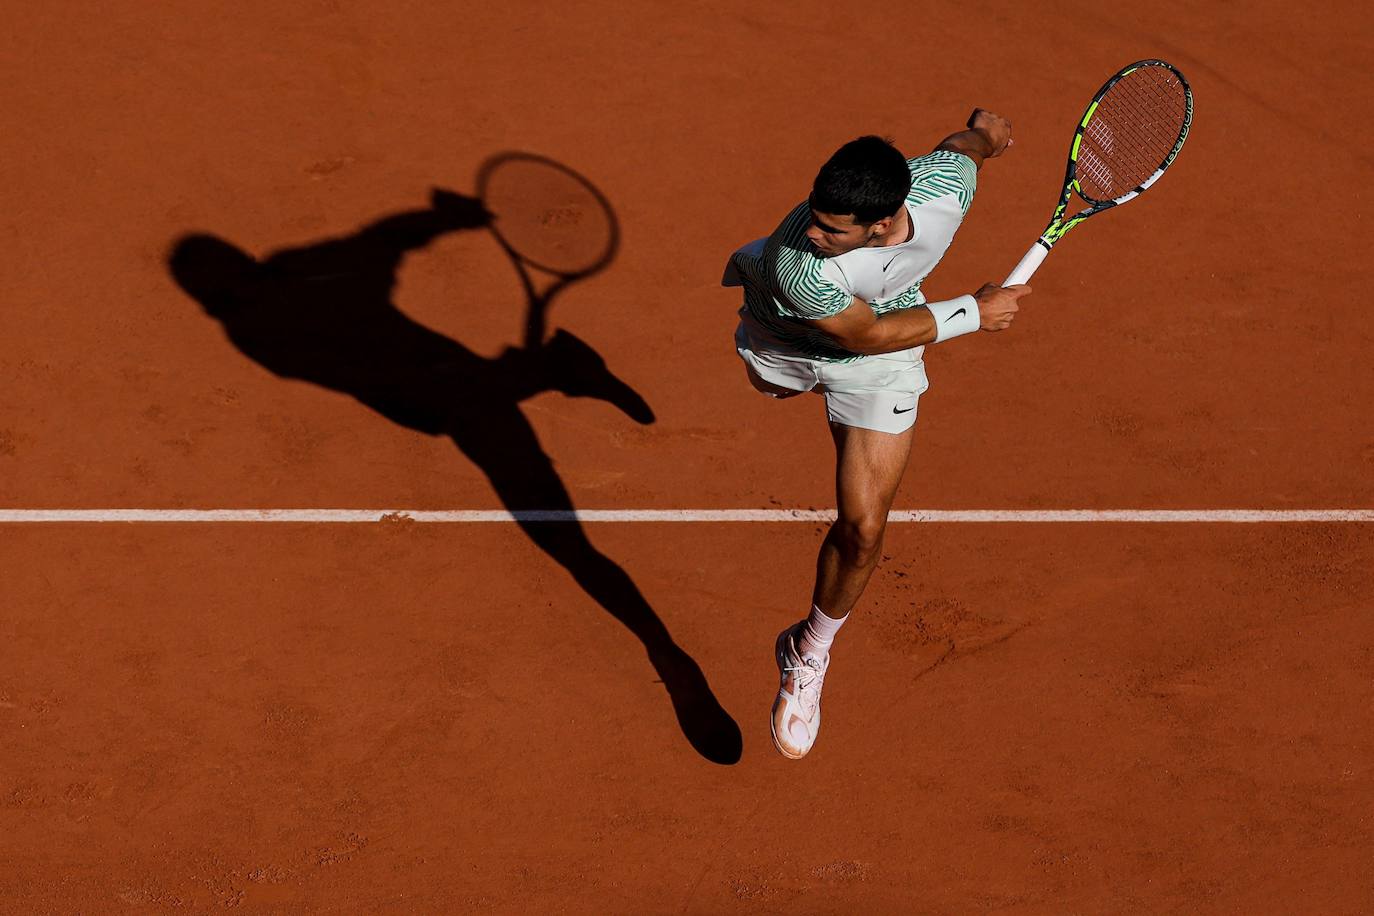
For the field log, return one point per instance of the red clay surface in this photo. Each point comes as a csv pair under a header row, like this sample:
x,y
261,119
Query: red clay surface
x,y
400,718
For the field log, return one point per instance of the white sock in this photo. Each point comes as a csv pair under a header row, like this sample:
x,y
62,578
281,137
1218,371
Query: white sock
x,y
819,633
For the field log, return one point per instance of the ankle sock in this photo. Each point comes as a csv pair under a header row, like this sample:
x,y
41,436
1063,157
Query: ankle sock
x,y
819,633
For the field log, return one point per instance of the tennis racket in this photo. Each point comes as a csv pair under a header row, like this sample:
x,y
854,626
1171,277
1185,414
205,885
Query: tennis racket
x,y
550,220
1132,131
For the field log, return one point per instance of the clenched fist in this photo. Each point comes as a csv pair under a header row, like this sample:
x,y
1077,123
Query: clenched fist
x,y
995,128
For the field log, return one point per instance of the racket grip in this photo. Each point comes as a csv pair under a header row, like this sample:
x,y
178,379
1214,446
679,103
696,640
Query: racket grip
x,y
1022,272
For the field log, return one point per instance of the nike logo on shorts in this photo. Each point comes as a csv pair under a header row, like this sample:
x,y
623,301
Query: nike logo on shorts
x,y
908,410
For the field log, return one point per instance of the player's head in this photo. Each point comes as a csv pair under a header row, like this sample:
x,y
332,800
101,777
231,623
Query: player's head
x,y
856,195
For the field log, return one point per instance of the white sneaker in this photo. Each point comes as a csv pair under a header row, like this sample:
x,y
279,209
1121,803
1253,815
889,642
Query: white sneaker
x,y
797,710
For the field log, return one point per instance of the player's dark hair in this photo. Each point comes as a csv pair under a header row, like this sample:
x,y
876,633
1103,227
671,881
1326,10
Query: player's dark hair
x,y
867,177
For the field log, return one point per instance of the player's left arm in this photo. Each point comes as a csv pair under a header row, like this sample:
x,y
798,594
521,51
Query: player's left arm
x,y
859,329
987,137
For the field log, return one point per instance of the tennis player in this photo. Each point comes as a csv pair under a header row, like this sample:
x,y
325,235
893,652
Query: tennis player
x,y
833,305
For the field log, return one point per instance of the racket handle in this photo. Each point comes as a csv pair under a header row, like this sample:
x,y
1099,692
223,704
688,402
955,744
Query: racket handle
x,y
1022,272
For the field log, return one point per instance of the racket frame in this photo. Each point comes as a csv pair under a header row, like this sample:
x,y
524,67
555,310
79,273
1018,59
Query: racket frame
x,y
1059,227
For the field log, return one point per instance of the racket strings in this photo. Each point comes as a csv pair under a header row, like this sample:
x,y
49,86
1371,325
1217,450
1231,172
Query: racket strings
x,y
1136,126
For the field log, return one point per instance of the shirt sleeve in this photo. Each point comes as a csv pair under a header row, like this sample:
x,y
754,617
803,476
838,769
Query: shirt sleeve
x,y
942,172
805,290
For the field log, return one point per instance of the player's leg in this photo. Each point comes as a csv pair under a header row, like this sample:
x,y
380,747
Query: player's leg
x,y
869,468
872,408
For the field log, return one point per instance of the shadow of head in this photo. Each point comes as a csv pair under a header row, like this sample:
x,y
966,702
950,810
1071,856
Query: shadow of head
x,y
213,272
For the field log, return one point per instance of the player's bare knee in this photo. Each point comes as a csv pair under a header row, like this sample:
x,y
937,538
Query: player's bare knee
x,y
861,538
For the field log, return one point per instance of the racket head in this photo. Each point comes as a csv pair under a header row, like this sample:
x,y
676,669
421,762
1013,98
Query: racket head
x,y
547,215
1132,130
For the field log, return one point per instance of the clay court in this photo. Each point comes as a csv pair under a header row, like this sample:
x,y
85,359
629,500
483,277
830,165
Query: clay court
x,y
396,716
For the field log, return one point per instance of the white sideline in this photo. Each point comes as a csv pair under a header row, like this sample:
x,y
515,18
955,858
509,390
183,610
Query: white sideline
x,y
938,516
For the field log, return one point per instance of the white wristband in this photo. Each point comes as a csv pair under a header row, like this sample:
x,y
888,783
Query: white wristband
x,y
955,317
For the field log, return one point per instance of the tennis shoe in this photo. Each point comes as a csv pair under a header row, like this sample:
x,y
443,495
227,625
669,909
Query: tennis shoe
x,y
797,710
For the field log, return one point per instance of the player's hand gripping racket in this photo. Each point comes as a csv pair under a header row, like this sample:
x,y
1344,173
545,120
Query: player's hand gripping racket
x,y
1133,128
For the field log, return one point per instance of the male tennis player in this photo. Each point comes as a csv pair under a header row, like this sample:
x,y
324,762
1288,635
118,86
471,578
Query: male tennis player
x,y
833,305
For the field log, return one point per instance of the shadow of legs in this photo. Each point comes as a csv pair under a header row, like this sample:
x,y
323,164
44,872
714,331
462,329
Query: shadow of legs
x,y
707,726
524,478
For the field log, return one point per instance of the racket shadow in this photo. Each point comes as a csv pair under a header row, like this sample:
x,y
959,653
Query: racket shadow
x,y
324,313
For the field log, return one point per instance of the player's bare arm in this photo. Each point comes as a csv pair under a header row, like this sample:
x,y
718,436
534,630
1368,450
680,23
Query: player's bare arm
x,y
859,329
987,137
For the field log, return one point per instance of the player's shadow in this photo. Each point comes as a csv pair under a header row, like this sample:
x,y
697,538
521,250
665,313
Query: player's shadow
x,y
324,313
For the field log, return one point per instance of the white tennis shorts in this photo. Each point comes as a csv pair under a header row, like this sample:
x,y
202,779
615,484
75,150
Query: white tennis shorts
x,y
874,392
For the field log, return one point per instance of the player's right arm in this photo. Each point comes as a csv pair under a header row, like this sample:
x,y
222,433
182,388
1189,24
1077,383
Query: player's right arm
x,y
859,329
987,137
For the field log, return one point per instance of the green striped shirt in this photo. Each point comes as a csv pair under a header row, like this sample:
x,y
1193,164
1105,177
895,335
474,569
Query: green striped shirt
x,y
788,283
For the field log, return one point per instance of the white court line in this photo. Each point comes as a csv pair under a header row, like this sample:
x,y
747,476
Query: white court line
x,y
938,516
